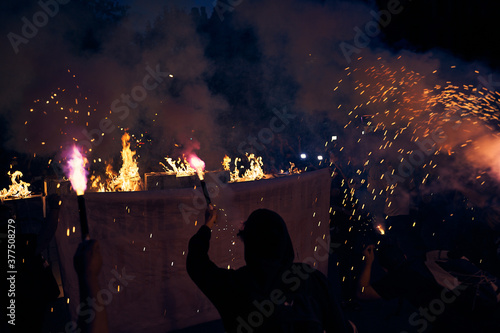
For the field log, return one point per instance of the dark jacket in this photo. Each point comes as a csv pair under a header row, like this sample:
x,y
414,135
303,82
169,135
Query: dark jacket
x,y
270,293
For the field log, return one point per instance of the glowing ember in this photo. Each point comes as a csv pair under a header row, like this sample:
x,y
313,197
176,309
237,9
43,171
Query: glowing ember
x,y
196,163
380,229
76,171
18,188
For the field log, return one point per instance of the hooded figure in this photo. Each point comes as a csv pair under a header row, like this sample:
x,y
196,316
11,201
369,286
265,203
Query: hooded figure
x,y
268,247
270,293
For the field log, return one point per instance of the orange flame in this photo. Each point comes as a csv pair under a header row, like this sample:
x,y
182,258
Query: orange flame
x,y
197,164
128,178
17,189
293,169
254,171
76,171
96,183
226,163
180,167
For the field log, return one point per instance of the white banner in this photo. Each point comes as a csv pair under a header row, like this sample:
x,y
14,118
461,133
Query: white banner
x,y
144,236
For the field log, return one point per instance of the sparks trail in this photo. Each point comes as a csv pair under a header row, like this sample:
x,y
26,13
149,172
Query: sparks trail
x,y
395,114
64,108
393,111
397,106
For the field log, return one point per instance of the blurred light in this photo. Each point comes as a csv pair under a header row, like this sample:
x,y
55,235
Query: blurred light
x,y
362,132
320,158
334,137
303,156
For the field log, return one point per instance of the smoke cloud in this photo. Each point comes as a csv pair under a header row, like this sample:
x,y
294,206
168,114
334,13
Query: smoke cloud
x,y
170,78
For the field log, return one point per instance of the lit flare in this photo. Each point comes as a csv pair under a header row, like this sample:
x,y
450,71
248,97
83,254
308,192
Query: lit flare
x,y
77,173
196,163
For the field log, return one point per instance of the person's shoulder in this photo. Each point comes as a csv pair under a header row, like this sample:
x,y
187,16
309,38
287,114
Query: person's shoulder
x,y
304,266
307,272
242,275
309,282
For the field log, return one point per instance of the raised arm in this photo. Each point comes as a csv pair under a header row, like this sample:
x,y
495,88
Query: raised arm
x,y
204,273
364,290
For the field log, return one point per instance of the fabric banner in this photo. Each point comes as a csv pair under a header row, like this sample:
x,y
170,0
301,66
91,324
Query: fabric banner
x,y
143,238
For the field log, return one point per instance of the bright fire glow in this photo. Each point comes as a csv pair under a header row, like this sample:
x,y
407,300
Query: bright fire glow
x,y
226,163
128,178
97,183
253,172
293,169
239,173
104,186
179,167
380,229
18,188
196,163
76,171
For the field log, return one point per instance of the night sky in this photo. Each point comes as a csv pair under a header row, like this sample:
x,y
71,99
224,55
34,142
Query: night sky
x,y
229,71
222,73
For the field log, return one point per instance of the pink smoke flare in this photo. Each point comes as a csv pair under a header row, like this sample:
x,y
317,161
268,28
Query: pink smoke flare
x,y
196,163
76,171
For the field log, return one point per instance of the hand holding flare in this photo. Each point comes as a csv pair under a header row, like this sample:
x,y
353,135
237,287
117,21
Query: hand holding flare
x,y
197,164
78,178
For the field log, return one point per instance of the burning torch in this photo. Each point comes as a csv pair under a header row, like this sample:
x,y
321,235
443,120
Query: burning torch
x,y
197,164
78,178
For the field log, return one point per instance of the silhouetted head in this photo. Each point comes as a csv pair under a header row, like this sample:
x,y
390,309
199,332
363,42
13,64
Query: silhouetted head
x,y
390,256
266,239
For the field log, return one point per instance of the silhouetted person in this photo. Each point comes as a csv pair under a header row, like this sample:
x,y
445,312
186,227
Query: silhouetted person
x,y
443,309
35,285
270,293
88,262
